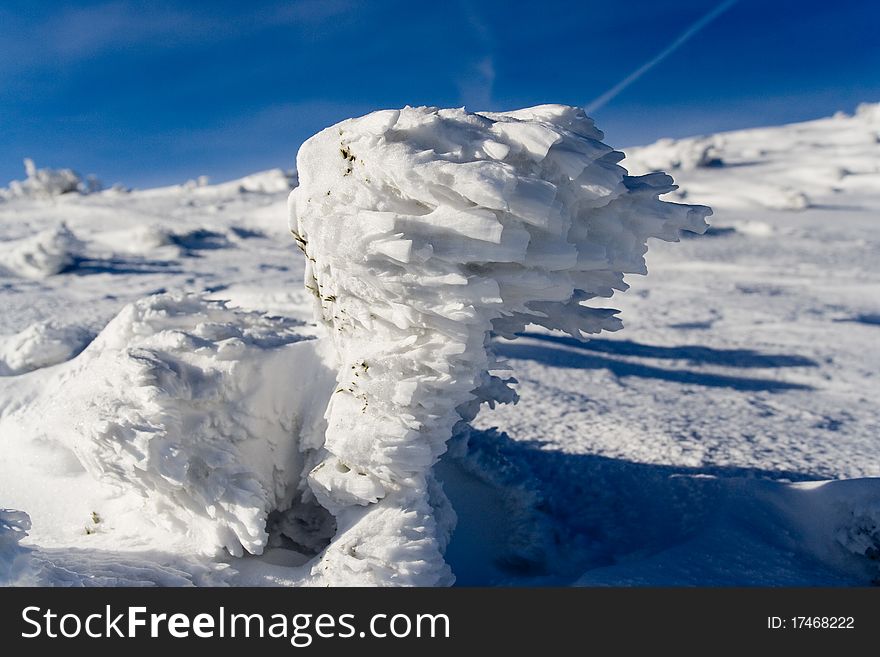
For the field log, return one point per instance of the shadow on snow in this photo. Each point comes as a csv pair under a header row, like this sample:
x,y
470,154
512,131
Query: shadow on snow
x,y
529,515
569,353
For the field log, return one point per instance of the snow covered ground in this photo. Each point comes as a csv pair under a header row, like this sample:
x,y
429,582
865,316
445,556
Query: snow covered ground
x,y
727,436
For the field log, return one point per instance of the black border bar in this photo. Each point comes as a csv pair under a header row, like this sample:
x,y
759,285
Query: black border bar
x,y
516,620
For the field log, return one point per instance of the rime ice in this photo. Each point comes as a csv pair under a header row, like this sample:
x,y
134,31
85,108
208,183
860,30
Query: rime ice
x,y
425,231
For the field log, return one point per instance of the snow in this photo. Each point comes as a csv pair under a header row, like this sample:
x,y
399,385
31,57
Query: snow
x,y
47,253
826,532
14,564
781,168
727,436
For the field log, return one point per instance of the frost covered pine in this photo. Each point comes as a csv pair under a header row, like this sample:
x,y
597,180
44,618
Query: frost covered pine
x,y
426,231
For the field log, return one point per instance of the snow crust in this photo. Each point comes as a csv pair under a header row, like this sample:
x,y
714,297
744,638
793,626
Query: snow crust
x,y
425,231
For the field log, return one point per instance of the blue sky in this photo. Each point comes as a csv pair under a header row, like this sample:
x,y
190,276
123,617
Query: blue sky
x,y
157,92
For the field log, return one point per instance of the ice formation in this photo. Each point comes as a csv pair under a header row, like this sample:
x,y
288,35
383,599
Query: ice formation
x,y
197,405
427,230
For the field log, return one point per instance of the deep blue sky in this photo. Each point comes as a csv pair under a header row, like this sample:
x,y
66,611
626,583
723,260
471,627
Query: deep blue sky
x,y
158,92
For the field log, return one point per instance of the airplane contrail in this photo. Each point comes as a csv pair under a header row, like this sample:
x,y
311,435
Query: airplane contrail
x,y
602,100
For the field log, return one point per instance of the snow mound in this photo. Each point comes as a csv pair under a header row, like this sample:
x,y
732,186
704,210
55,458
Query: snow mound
x,y
40,345
869,112
146,237
684,154
47,253
425,230
183,240
272,181
46,183
199,407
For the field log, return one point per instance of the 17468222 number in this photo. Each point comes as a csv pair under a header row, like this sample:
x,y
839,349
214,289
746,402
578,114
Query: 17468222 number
x,y
811,623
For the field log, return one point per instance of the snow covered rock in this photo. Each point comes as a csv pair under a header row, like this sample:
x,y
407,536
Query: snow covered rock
x,y
426,230
204,409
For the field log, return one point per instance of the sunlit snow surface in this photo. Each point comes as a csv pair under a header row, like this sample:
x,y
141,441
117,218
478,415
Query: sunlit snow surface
x,y
682,450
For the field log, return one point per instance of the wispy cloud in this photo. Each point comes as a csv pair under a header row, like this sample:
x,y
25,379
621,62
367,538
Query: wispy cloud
x,y
83,31
476,86
79,33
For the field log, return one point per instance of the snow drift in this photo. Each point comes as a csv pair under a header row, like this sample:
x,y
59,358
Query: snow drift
x,y
425,231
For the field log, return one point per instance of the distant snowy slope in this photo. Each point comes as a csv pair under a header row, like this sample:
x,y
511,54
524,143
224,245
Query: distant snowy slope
x,y
782,168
